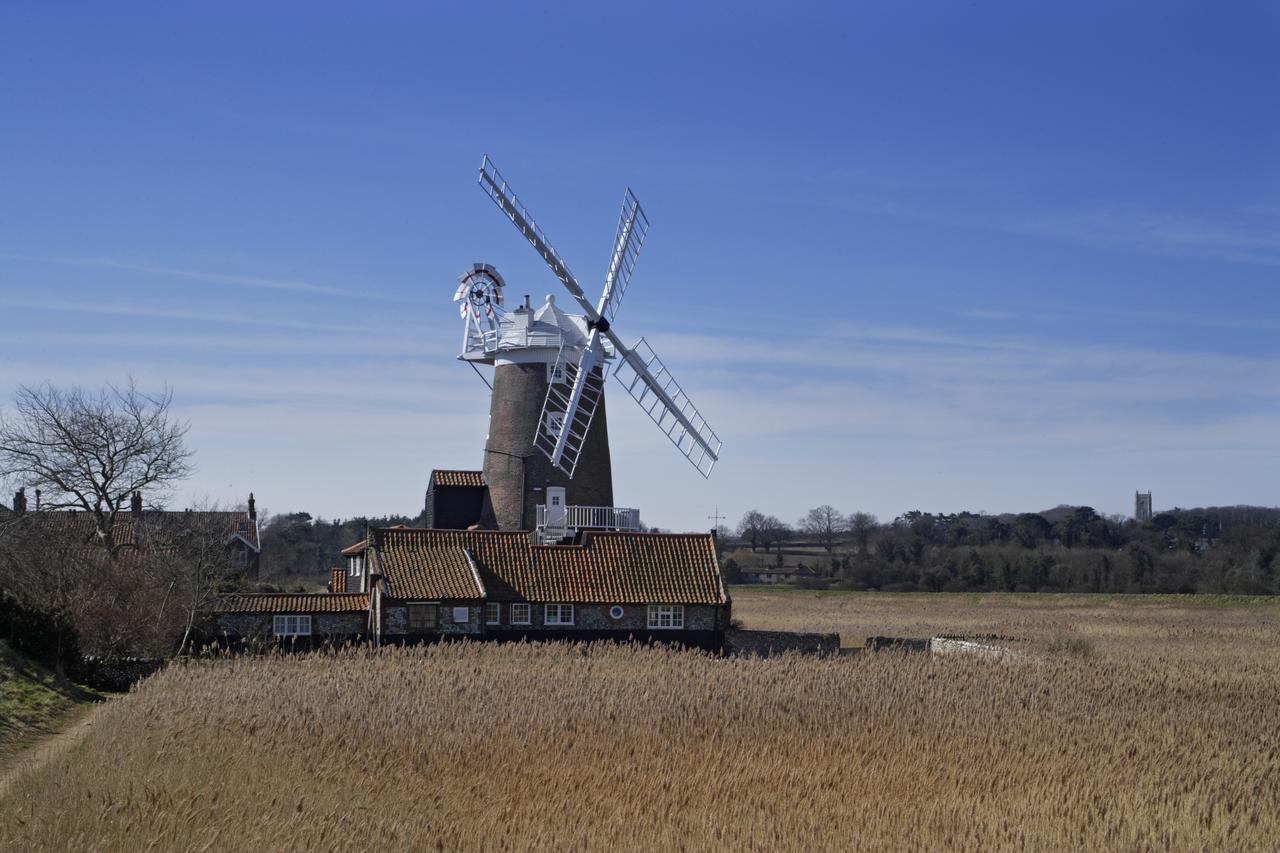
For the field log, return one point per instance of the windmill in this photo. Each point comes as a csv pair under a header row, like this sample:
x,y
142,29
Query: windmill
x,y
547,409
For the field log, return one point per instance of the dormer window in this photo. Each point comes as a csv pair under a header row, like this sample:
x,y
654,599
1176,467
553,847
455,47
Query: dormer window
x,y
356,566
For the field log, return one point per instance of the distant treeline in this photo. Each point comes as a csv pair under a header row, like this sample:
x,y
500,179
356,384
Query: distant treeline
x,y
1068,549
299,549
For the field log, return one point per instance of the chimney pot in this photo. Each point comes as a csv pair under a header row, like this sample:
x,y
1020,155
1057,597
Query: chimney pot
x,y
20,500
135,503
253,509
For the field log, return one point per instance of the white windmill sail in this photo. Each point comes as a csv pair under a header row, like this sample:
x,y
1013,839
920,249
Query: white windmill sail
x,y
651,385
633,225
569,408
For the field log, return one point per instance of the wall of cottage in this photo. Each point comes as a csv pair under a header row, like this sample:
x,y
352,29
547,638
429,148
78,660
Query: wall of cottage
x,y
395,620
596,617
259,626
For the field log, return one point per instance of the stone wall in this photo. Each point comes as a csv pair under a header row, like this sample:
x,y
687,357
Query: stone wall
x,y
116,674
766,643
259,626
395,620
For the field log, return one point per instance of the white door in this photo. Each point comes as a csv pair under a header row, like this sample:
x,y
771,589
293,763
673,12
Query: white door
x,y
555,509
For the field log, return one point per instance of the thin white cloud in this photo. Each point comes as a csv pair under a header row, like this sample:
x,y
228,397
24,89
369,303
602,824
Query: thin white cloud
x,y
246,319
215,277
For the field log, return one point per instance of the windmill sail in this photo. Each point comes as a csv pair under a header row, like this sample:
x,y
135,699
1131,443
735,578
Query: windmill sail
x,y
651,385
570,406
500,191
633,225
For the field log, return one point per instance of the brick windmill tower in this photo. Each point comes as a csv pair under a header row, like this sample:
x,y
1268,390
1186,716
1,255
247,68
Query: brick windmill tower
x,y
546,464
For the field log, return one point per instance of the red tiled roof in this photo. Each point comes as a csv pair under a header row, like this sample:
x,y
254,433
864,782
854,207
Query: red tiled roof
x,y
474,479
418,565
356,549
318,602
129,528
609,567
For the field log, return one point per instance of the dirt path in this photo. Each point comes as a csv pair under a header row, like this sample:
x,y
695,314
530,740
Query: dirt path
x,y
50,748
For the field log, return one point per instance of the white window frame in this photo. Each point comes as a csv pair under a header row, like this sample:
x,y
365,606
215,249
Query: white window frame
x,y
291,625
521,613
493,613
560,610
461,615
553,424
666,617
357,567
556,374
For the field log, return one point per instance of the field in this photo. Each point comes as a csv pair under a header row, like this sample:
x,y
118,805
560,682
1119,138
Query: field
x,y
1125,725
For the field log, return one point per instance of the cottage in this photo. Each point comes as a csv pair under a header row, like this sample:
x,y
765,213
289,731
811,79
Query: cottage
x,y
153,531
299,619
424,585
610,585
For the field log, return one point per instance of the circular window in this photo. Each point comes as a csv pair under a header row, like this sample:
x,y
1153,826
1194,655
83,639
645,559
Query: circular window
x,y
615,612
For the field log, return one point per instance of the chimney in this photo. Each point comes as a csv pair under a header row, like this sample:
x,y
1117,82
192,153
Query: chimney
x,y
20,501
339,581
135,503
37,500
253,508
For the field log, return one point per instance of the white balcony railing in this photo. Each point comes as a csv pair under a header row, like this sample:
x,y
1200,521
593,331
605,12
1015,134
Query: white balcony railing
x,y
575,518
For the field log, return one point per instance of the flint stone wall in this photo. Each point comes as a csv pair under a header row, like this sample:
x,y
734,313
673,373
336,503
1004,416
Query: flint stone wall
x,y
395,620
766,643
596,617
259,626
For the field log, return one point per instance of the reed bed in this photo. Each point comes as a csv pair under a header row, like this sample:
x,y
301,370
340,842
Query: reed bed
x,y
522,747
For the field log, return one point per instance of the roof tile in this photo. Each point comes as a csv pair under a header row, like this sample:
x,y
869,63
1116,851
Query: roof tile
x,y
321,602
609,567
473,479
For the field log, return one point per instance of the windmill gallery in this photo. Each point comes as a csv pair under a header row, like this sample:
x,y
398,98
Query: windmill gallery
x,y
530,546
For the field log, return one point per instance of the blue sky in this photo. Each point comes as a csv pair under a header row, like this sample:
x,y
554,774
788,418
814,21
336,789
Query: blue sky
x,y
990,256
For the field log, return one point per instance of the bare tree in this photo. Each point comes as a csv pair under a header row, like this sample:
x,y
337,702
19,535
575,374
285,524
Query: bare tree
x,y
825,524
861,524
773,530
92,451
751,526
190,558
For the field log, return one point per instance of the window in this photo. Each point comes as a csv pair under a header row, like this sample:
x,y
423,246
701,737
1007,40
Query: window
x,y
242,556
493,613
357,566
520,614
423,617
461,615
558,614
553,424
615,612
666,615
292,626
555,374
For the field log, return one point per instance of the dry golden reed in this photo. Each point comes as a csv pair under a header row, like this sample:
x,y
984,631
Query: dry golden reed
x,y
1144,744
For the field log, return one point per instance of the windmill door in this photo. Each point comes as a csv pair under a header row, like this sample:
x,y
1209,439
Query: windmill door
x,y
555,510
